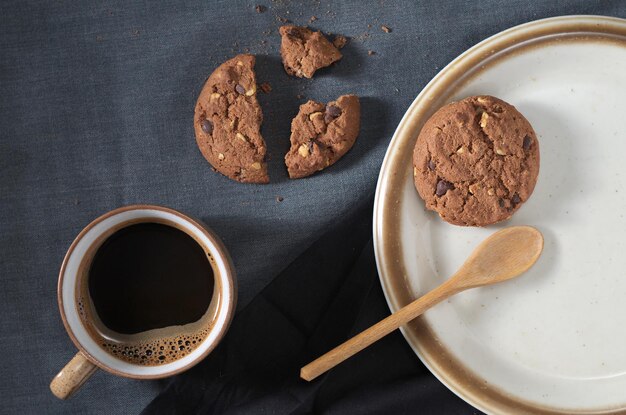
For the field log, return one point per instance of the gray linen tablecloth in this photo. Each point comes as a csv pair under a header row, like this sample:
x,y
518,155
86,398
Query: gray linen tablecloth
x,y
96,109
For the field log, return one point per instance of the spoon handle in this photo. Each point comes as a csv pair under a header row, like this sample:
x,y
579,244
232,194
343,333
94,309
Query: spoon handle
x,y
377,331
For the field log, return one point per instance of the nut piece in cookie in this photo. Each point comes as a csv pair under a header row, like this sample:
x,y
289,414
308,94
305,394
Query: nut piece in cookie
x,y
228,119
476,161
322,134
305,51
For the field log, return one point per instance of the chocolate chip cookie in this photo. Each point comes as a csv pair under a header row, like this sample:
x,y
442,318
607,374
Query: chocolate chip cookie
x,y
305,51
228,121
322,134
476,161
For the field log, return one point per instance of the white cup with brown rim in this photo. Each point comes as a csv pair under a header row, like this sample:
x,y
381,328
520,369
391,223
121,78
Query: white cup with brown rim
x,y
99,348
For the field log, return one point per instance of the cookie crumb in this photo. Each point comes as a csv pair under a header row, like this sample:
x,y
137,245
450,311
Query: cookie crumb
x,y
260,8
279,198
385,29
312,19
340,41
299,96
371,53
266,87
283,19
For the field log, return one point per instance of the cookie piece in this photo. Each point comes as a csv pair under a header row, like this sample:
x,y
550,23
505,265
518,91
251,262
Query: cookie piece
x,y
322,134
228,121
476,161
305,51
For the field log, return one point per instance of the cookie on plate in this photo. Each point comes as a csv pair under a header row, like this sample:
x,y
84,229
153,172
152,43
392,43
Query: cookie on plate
x,y
322,134
228,121
476,161
305,51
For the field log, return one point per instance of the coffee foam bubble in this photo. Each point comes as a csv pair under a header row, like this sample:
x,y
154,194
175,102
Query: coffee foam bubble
x,y
157,352
150,348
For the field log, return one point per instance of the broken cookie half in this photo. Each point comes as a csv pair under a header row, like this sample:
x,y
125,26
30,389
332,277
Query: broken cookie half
x,y
322,134
305,51
228,120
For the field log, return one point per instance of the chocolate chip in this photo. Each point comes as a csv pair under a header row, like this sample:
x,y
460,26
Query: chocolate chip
x,y
207,126
527,142
240,89
501,202
431,165
293,32
515,199
332,112
311,147
443,186
340,41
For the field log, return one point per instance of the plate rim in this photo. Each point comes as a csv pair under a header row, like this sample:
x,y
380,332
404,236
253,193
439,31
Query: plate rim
x,y
493,400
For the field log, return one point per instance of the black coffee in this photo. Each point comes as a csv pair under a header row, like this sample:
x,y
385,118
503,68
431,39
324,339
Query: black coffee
x,y
150,276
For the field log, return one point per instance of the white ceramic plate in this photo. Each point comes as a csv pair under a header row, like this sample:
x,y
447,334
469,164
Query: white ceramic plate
x,y
553,340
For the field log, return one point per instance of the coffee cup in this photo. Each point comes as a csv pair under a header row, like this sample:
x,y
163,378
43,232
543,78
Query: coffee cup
x,y
144,292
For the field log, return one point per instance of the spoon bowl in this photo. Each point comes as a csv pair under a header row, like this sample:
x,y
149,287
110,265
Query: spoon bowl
x,y
504,255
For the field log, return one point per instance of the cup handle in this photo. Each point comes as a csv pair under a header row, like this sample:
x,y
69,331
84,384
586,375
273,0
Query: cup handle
x,y
72,376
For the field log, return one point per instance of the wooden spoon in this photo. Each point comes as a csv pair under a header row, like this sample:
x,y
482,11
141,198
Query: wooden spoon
x,y
502,256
